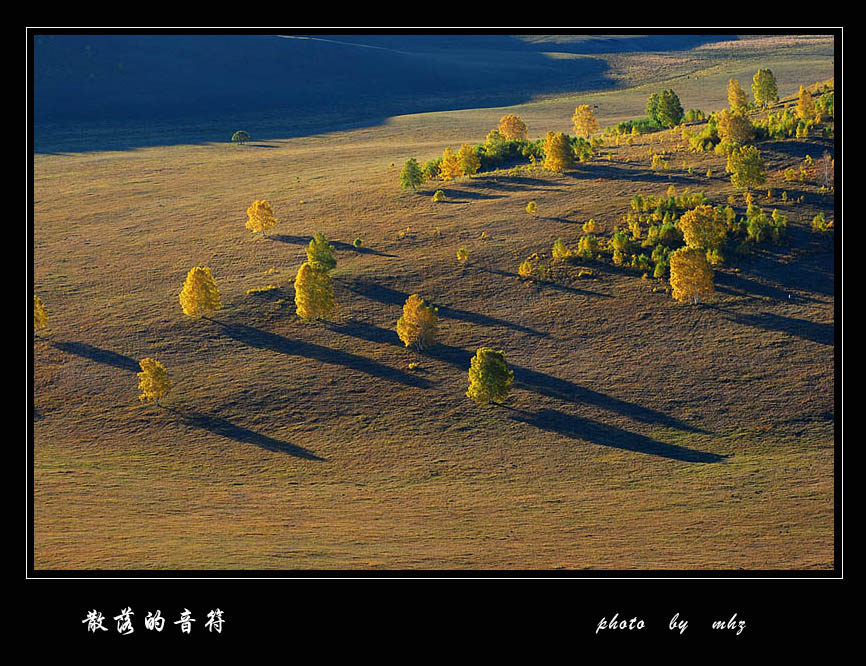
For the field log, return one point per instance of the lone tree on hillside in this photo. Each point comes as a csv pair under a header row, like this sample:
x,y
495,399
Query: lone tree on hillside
x,y
314,293
558,153
764,87
153,381
419,323
260,217
737,98
240,137
585,122
512,127
320,253
40,317
746,167
489,376
411,175
691,275
200,294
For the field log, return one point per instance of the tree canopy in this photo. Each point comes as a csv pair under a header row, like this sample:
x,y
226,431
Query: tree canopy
x,y
260,217
314,293
153,381
418,325
411,175
764,87
558,153
489,377
200,294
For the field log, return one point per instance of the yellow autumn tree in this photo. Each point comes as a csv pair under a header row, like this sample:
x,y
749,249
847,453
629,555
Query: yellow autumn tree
x,y
200,294
419,323
558,153
585,122
691,275
449,167
260,217
468,160
806,109
737,98
40,317
512,127
153,381
489,377
703,227
734,127
314,293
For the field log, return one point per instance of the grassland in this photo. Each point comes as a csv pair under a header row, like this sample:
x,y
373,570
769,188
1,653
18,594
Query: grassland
x,y
640,434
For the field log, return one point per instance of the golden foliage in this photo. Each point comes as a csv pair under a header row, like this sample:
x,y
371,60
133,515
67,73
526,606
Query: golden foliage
x,y
260,217
314,293
691,275
153,381
419,323
585,122
489,377
532,208
468,160
40,317
200,294
512,127
702,227
805,105
734,127
737,98
450,167
558,153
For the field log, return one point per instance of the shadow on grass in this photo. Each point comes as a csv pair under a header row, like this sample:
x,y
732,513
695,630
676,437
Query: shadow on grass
x,y
383,294
823,334
365,331
550,284
561,389
254,337
103,356
338,245
243,435
581,429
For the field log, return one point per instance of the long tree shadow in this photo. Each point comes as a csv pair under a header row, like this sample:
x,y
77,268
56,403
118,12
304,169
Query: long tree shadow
x,y
561,389
243,435
823,334
103,356
383,294
738,284
255,337
338,245
582,429
365,331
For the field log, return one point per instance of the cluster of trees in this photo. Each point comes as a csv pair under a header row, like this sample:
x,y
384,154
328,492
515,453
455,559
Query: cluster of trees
x,y
508,144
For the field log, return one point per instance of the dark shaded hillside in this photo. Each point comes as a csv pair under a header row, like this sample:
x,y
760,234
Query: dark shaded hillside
x,y
118,91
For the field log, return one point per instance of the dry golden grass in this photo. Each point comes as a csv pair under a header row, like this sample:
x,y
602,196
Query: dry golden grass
x,y
640,434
